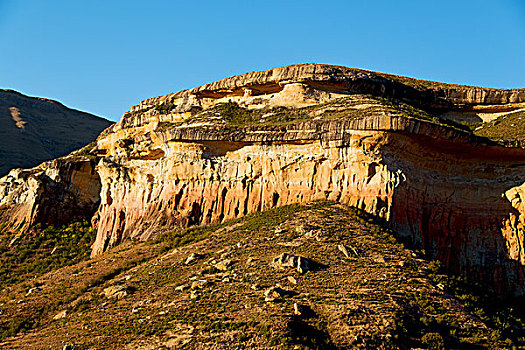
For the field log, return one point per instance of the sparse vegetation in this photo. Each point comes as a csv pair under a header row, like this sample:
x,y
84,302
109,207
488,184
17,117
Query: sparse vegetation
x,y
378,301
42,251
86,151
165,107
509,126
357,106
235,115
506,317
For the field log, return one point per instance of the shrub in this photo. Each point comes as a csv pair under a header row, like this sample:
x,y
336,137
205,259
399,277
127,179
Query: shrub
x,y
434,341
46,250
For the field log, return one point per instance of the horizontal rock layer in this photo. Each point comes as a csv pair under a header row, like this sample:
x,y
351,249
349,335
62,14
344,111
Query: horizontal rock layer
x,y
338,78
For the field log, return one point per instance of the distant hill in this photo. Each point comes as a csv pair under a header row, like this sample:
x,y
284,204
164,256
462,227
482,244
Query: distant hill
x,y
33,130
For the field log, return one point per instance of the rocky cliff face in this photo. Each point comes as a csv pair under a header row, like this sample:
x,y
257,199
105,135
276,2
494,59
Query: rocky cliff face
x,y
56,192
303,133
33,130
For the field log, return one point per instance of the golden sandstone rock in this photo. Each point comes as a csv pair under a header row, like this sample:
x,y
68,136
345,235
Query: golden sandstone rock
x,y
177,160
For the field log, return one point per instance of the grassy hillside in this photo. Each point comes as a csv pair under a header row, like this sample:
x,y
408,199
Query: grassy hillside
x,y
509,126
209,287
33,130
27,256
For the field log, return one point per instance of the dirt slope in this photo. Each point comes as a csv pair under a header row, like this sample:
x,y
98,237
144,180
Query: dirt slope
x,y
210,288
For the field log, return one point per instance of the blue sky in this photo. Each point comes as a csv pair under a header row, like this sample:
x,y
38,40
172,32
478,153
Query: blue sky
x,y
104,56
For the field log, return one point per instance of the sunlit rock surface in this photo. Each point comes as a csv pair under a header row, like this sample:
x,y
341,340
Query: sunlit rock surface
x,y
297,134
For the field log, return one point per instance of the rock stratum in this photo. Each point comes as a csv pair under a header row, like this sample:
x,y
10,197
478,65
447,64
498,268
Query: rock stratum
x,y
34,130
395,147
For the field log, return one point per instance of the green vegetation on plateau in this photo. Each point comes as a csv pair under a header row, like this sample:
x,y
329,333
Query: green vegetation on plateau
x,y
511,125
352,107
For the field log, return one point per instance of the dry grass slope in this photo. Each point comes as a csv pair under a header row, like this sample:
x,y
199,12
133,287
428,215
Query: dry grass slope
x,y
379,295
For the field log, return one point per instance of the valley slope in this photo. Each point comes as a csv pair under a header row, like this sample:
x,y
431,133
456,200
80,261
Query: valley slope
x,y
234,286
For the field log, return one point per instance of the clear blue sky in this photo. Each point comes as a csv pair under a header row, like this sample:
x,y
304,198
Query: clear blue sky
x,y
104,56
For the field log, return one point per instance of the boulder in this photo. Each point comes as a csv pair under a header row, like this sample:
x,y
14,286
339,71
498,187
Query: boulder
x,y
223,265
286,260
199,284
117,292
192,257
60,315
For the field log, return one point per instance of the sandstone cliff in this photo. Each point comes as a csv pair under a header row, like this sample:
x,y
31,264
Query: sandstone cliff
x,y
295,134
33,130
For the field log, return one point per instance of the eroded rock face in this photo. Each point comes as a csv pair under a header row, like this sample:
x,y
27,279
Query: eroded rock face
x,y
56,192
458,201
454,203
168,164
195,184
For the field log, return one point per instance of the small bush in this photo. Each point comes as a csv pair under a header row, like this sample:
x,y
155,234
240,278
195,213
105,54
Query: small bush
x,y
165,107
434,341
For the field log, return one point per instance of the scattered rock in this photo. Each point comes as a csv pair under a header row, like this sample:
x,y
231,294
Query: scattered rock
x,y
226,255
32,290
344,250
291,279
223,265
249,260
274,293
178,337
291,243
70,347
117,292
288,260
301,229
255,286
60,315
379,259
298,309
199,284
182,287
192,258
194,295
312,234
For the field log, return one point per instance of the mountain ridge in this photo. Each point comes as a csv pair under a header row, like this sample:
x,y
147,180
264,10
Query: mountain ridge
x,y
36,129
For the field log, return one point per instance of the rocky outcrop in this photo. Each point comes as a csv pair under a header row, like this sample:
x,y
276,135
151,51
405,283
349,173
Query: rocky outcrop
x,y
56,192
458,200
338,79
174,161
33,130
